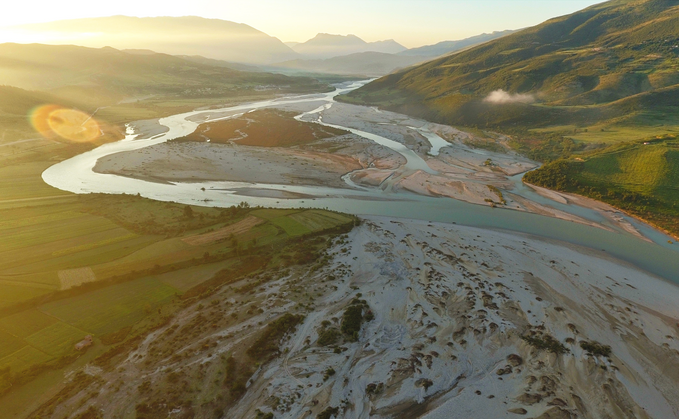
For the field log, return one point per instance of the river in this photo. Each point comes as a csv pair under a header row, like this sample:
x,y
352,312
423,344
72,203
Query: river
x,y
77,175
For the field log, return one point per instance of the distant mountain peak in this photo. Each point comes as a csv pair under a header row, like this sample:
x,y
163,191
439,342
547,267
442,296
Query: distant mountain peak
x,y
327,38
325,45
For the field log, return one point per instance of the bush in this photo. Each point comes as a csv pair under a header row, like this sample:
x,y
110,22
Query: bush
x,y
328,413
353,318
596,348
546,342
328,373
266,346
328,337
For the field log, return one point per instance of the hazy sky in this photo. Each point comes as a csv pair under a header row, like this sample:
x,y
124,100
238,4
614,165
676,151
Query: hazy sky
x,y
410,22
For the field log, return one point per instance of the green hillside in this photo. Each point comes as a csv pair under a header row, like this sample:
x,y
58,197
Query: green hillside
x,y
106,75
118,87
613,67
641,177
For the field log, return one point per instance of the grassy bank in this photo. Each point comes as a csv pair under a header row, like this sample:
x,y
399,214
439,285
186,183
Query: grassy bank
x,y
639,177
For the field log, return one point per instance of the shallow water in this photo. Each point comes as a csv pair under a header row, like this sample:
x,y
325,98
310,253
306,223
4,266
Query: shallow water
x,y
76,175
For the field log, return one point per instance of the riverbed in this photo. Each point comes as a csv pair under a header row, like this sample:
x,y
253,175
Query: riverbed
x,y
77,175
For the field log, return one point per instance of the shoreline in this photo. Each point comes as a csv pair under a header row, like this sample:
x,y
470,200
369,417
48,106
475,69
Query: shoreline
x,y
641,220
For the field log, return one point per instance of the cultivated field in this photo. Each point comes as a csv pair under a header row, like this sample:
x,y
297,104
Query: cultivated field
x,y
106,265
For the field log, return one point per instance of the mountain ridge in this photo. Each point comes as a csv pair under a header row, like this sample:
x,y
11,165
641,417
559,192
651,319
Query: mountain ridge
x,y
324,45
186,35
107,75
594,57
361,63
445,47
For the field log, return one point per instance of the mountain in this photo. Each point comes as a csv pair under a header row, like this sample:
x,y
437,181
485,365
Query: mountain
x,y
16,104
219,63
199,59
107,75
610,65
326,45
362,63
446,47
189,35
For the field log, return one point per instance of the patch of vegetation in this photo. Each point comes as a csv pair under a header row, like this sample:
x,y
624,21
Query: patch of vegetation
x,y
374,389
354,315
267,345
328,413
262,128
328,373
596,348
329,337
115,337
237,376
489,145
262,415
547,343
640,177
497,192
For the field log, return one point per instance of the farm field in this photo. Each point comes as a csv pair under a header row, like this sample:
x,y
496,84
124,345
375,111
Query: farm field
x,y
99,265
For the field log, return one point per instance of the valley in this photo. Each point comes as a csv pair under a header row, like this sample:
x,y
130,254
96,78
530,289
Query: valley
x,y
200,220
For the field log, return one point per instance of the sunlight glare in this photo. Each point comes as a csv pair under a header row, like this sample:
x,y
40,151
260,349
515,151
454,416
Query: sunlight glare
x,y
69,124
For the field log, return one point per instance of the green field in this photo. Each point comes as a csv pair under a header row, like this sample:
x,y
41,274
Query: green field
x,y
57,339
111,236
112,308
24,358
641,177
320,220
291,226
26,323
10,344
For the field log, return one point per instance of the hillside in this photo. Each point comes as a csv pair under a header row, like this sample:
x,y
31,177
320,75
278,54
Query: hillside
x,y
641,177
446,47
104,76
187,35
16,104
362,63
326,45
607,67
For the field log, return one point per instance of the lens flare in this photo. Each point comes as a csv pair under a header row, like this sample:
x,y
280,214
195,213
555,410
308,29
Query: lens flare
x,y
53,121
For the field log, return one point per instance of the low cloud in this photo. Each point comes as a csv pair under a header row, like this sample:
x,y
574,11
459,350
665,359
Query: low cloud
x,y
501,97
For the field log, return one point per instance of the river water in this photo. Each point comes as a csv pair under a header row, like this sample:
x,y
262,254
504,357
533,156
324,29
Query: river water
x,y
77,175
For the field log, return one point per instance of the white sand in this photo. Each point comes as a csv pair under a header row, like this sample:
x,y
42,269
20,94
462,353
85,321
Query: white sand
x,y
450,305
425,282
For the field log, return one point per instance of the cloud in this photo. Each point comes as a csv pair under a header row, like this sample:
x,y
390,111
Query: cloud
x,y
502,97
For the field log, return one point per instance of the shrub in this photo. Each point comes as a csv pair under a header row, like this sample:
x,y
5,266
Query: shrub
x,y
596,348
328,337
266,346
328,413
546,342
